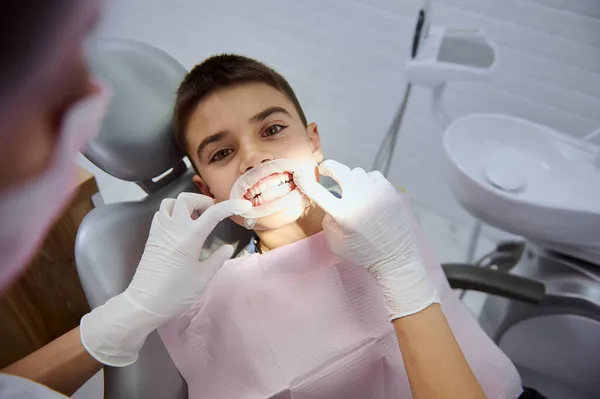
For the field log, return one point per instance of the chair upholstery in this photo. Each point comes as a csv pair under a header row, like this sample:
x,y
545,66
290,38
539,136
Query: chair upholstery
x,y
136,142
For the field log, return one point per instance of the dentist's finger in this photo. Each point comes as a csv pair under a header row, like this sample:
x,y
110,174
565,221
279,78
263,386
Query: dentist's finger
x,y
206,223
316,192
338,172
220,255
210,266
187,203
165,210
380,181
217,212
360,182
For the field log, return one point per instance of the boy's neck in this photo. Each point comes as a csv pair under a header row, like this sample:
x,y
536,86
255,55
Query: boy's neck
x,y
307,225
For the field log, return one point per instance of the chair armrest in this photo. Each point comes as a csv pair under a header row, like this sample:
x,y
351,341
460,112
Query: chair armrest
x,y
494,282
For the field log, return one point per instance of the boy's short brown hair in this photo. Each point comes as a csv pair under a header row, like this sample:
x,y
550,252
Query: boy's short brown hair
x,y
218,72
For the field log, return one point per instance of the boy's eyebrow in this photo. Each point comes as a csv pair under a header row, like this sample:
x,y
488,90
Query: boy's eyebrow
x,y
262,115
208,140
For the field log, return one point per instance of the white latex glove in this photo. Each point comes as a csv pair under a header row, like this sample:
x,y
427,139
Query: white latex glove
x,y
370,226
168,280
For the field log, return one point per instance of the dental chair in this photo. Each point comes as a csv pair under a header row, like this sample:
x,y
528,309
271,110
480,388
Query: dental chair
x,y
137,145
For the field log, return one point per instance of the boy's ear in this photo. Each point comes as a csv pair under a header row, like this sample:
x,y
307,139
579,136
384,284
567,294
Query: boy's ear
x,y
202,186
315,141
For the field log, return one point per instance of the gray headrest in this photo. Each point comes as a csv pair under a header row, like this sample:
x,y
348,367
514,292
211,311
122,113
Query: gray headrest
x,y
136,142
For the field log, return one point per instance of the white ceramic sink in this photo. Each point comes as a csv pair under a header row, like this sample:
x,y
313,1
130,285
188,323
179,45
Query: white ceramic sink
x,y
527,179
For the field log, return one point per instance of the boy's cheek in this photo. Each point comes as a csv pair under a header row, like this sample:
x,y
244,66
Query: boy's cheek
x,y
318,156
218,192
219,198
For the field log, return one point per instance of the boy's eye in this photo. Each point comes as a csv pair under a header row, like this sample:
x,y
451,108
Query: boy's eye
x,y
221,154
273,130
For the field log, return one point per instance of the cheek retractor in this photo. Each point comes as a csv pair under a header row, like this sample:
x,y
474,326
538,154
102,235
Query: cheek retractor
x,y
253,177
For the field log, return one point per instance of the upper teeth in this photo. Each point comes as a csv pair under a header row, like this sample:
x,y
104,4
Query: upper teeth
x,y
268,183
268,186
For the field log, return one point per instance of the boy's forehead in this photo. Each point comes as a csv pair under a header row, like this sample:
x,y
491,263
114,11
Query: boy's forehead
x,y
234,106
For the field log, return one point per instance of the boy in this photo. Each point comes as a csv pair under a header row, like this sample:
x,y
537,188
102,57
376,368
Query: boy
x,y
290,320
231,115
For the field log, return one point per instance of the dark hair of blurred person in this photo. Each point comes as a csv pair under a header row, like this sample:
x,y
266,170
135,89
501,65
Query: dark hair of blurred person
x,y
42,73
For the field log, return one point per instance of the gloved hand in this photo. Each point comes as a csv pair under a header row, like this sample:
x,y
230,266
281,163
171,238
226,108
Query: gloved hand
x,y
168,280
370,226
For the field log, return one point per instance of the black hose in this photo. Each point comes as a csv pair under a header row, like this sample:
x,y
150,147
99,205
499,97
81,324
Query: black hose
x,y
383,160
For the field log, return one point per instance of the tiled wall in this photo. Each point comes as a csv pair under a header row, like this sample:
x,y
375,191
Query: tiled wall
x,y
345,60
548,71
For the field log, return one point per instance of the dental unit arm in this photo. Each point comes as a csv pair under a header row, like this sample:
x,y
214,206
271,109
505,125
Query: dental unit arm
x,y
440,55
443,54
450,55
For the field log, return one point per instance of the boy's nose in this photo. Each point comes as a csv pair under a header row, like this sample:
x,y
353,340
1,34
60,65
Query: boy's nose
x,y
249,167
252,154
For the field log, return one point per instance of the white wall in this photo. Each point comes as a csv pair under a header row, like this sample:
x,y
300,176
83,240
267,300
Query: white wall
x,y
345,61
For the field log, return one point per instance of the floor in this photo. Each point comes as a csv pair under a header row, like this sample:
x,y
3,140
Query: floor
x,y
448,239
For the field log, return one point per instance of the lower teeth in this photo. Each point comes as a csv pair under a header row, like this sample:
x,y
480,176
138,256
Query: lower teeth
x,y
261,196
279,185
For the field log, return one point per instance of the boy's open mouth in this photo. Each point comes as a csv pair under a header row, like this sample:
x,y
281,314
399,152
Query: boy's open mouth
x,y
270,188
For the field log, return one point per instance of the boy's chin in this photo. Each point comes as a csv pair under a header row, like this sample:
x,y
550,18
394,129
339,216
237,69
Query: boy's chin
x,y
276,220
280,219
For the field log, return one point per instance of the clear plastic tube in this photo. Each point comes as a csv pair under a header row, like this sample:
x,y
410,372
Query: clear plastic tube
x,y
249,223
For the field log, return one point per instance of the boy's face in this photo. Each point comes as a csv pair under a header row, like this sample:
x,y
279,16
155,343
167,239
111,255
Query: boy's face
x,y
236,129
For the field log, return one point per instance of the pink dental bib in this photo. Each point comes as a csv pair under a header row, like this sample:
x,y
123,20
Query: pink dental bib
x,y
298,322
